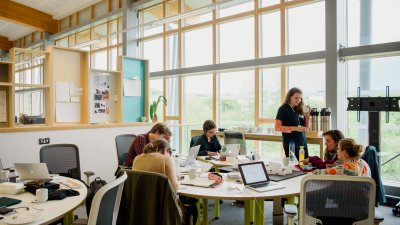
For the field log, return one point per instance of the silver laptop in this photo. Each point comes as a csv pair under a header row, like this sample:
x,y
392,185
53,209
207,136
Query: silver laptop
x,y
32,171
191,158
255,177
232,150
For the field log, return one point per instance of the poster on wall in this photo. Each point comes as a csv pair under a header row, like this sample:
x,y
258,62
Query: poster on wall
x,y
100,99
3,106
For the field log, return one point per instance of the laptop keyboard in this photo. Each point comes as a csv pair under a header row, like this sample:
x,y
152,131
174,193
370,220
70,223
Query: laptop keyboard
x,y
262,185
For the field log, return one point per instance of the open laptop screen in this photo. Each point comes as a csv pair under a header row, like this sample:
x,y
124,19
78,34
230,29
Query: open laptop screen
x,y
253,173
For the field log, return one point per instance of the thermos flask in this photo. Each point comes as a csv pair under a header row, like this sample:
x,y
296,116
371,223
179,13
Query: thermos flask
x,y
314,119
325,119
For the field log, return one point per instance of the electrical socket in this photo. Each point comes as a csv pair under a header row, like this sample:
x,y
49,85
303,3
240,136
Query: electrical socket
x,y
43,141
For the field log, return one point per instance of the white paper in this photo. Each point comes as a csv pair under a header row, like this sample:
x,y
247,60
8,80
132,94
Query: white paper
x,y
68,112
132,87
3,106
62,92
75,90
75,99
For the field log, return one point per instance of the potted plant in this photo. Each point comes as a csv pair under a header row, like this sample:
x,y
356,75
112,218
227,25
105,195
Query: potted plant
x,y
153,107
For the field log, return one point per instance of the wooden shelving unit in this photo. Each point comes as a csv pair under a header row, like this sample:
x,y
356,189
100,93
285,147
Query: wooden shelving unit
x,y
6,94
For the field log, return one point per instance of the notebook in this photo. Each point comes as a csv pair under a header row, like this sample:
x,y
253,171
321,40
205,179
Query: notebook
x,y
232,150
5,202
32,171
255,177
191,158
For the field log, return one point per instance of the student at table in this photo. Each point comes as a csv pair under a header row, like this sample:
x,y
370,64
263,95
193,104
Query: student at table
x,y
350,153
156,158
208,141
159,130
332,138
292,121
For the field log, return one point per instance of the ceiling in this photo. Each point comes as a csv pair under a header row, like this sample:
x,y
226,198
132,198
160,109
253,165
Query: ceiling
x,y
58,9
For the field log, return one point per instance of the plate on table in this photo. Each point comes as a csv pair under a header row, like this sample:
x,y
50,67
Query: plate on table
x,y
22,218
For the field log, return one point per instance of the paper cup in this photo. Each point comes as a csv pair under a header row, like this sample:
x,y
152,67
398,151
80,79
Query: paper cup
x,y
42,195
192,173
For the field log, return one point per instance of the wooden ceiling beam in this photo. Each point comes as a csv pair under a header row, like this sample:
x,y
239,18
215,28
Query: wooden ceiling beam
x,y
5,44
24,15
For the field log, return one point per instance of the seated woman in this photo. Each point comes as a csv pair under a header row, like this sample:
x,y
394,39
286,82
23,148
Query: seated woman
x,y
156,158
208,141
332,138
350,153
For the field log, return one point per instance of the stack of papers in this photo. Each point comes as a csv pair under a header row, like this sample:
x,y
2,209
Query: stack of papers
x,y
198,182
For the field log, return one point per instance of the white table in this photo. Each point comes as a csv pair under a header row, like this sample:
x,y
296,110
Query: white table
x,y
253,200
49,211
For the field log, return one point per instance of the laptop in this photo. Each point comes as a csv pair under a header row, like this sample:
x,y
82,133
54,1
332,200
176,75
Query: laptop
x,y
255,177
232,150
191,158
32,171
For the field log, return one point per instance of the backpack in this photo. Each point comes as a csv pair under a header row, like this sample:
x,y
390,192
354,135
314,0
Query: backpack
x,y
93,188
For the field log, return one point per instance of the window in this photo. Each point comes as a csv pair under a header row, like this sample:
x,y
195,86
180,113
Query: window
x,y
156,89
197,47
172,96
153,50
236,107
372,76
271,92
306,28
236,40
190,5
172,51
235,7
375,27
270,34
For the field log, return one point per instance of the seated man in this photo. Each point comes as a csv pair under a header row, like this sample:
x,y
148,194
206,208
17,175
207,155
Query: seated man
x,y
159,130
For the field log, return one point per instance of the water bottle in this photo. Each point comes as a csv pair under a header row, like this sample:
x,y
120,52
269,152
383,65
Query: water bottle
x,y
301,153
177,165
12,177
292,155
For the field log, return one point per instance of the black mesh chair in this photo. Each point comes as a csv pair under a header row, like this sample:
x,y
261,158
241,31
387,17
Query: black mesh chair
x,y
123,142
105,205
235,137
63,159
194,140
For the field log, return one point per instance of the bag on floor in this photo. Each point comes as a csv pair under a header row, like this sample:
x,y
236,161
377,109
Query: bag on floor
x,y
93,188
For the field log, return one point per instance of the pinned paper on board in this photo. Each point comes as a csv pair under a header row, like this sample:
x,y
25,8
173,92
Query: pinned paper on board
x,y
62,92
3,106
132,87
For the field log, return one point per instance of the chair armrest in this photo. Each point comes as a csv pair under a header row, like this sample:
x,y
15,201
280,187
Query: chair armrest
x,y
378,216
290,209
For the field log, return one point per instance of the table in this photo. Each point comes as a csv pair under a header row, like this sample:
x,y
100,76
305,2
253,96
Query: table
x,y
50,211
254,201
270,137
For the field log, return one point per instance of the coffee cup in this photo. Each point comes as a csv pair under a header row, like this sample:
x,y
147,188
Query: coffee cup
x,y
285,161
192,173
42,194
3,175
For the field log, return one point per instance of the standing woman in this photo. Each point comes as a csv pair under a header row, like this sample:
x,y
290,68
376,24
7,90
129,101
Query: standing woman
x,y
293,122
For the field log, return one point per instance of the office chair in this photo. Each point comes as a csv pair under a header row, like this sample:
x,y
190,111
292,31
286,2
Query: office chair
x,y
123,142
148,198
235,137
194,140
63,159
326,200
105,205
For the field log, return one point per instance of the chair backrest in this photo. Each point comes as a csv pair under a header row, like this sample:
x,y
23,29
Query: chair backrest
x,y
235,137
62,159
123,142
105,205
337,200
148,198
194,140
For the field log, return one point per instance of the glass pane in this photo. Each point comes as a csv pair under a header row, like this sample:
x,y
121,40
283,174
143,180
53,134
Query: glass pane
x,y
153,14
200,16
236,99
372,22
198,99
265,3
113,27
71,40
271,92
270,34
83,36
36,75
172,50
62,42
100,60
306,28
156,89
197,50
372,76
235,7
172,96
172,7
153,50
98,32
236,40
113,58
311,80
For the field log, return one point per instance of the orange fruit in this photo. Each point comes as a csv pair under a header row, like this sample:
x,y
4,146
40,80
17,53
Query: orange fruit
x,y
331,171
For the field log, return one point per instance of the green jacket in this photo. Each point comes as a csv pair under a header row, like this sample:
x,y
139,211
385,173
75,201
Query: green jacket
x,y
148,198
